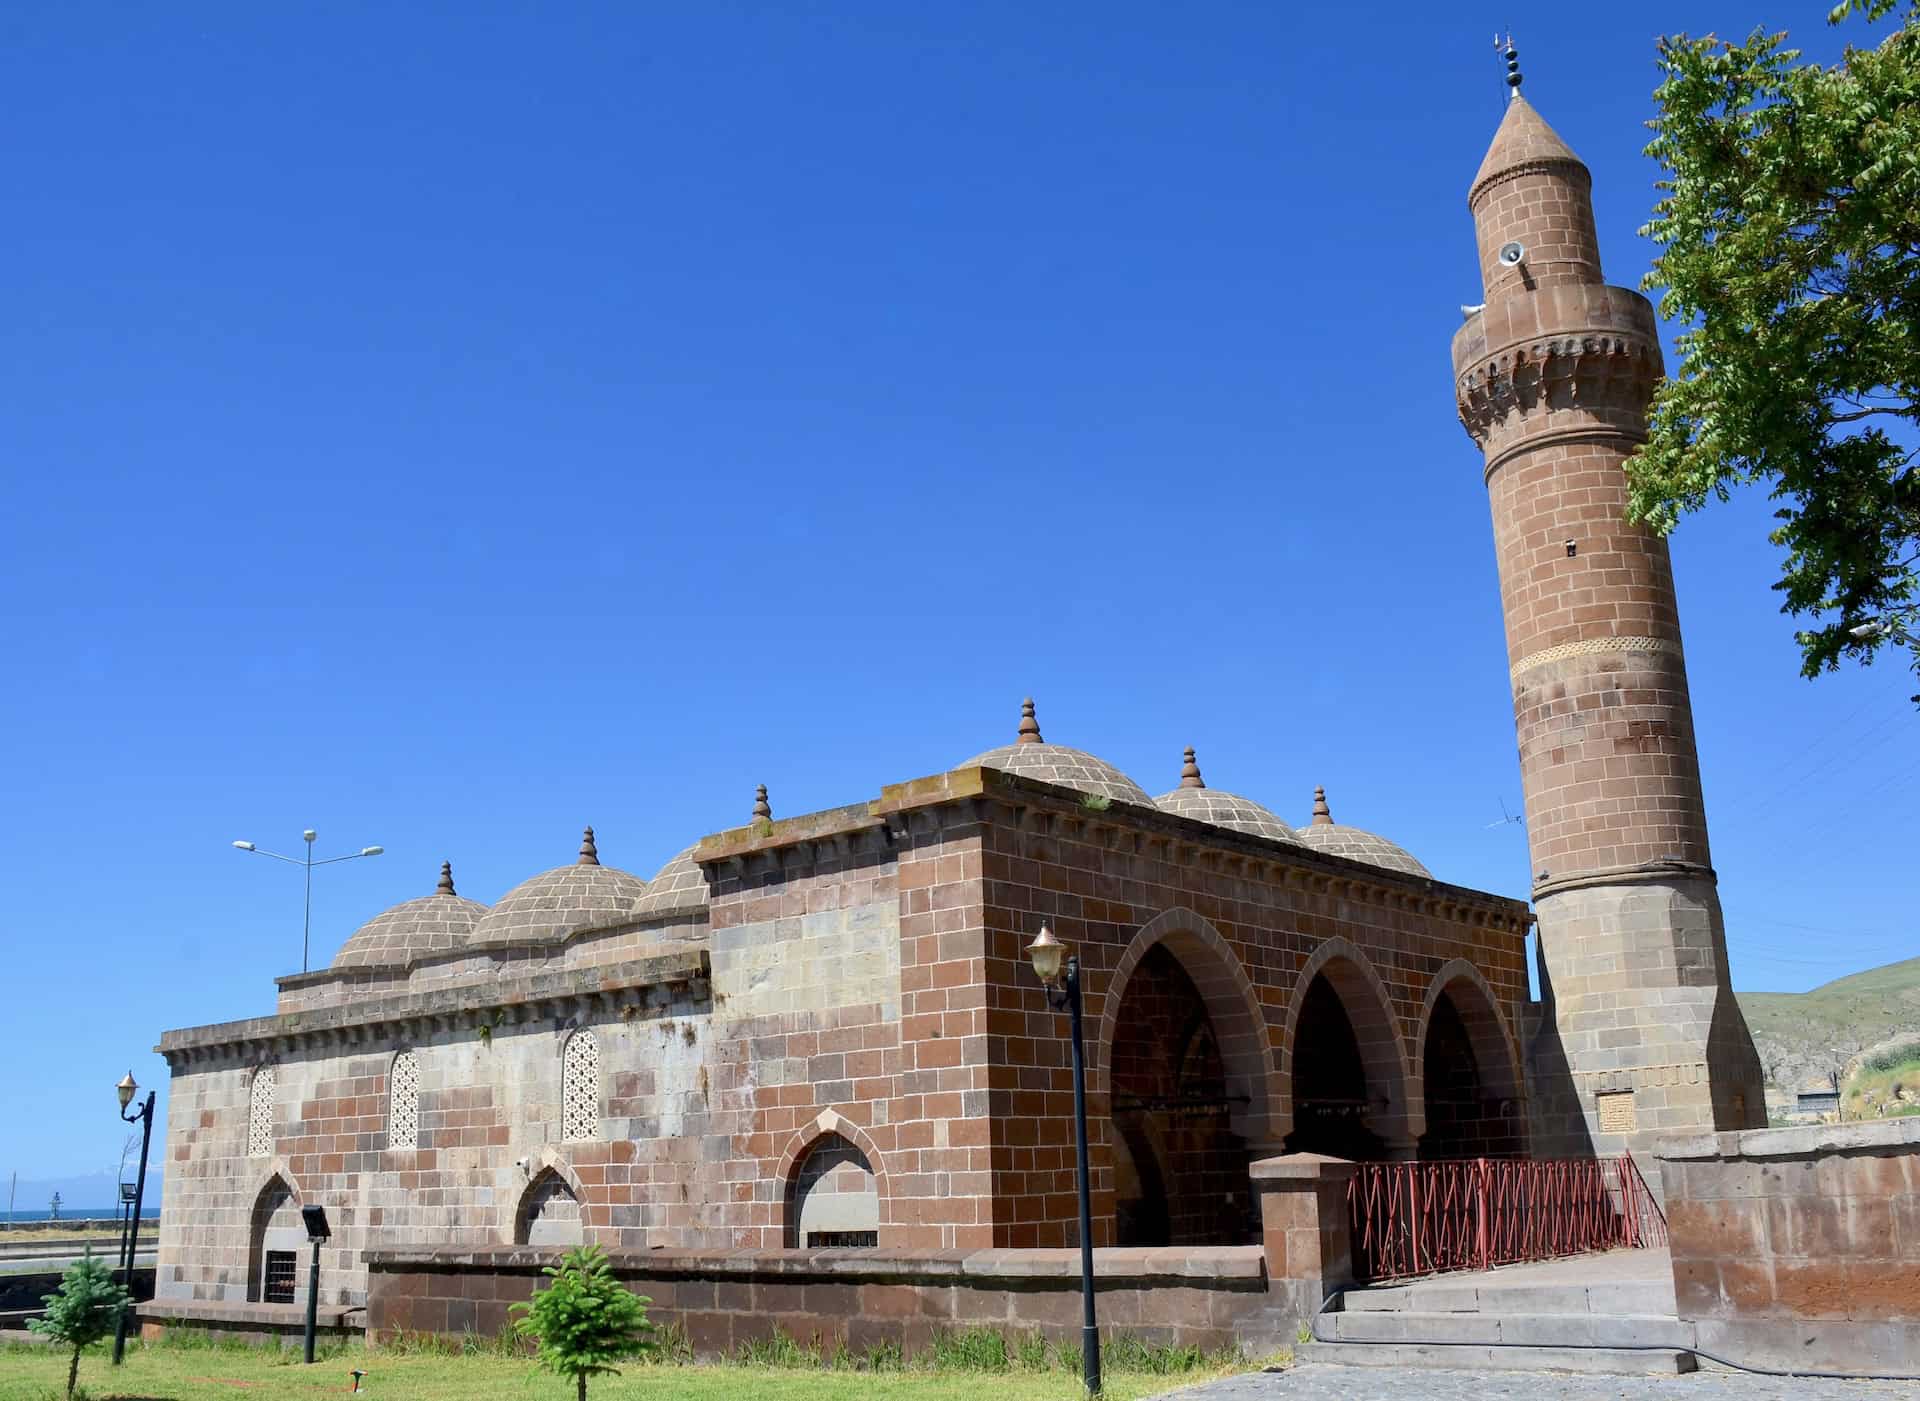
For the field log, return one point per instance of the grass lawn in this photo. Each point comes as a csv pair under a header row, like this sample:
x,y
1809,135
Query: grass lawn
x,y
173,1373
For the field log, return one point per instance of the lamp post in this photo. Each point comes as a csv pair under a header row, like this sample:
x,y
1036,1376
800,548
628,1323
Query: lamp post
x,y
1063,993
317,1232
143,1116
306,929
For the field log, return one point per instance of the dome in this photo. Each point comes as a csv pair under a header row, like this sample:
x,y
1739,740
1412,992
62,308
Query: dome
x,y
432,924
1031,757
555,903
1324,834
679,887
1195,800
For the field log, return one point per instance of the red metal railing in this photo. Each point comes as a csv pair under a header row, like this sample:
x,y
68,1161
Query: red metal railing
x,y
1420,1218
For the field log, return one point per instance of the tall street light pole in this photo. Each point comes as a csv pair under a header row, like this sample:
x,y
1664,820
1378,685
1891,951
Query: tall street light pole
x,y
1063,994
306,929
143,1117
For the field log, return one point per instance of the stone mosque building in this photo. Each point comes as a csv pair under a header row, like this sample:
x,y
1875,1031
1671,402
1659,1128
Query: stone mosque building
x,y
819,1032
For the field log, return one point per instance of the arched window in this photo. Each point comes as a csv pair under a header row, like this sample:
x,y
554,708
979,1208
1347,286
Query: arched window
x,y
832,1200
260,1113
580,1087
549,1213
403,1103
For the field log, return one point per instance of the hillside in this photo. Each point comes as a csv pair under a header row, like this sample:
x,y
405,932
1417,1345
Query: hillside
x,y
1797,1033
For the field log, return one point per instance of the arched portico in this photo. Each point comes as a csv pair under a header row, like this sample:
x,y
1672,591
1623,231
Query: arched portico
x,y
1239,1022
1467,1069
1362,1082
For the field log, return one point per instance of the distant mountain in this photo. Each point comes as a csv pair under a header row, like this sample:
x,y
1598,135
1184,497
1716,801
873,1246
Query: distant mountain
x,y
88,1194
1802,1036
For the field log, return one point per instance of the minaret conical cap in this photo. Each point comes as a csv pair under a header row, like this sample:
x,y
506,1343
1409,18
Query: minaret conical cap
x,y
1524,138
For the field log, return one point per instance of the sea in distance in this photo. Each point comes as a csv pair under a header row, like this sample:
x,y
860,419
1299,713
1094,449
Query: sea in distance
x,y
75,1213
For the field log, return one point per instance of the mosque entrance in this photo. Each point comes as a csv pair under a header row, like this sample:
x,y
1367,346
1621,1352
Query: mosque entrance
x,y
1472,1104
1331,1096
1180,1172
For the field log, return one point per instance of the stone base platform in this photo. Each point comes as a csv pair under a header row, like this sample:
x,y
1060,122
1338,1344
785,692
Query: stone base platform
x,y
1213,1298
262,1323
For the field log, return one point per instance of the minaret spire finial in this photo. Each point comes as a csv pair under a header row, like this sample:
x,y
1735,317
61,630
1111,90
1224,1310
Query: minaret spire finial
x,y
762,809
446,879
1190,772
1029,726
589,853
1322,815
1513,65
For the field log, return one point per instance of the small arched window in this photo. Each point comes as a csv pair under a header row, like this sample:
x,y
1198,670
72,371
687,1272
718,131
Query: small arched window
x,y
580,1087
260,1113
403,1103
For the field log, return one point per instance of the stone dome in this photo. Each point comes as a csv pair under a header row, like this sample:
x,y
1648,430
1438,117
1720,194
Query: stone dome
x,y
1223,809
1324,834
434,923
678,888
555,903
1032,757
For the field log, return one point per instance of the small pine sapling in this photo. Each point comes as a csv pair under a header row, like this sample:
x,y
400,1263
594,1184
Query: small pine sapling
x,y
82,1310
585,1320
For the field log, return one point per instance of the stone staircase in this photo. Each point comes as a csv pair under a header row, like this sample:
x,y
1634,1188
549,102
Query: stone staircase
x,y
1609,1313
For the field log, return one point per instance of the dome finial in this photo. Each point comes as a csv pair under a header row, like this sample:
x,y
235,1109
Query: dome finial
x,y
1322,817
1190,772
762,809
589,853
1513,65
1029,727
446,879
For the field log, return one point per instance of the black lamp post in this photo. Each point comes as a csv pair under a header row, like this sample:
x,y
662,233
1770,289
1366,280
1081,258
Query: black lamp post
x,y
317,1232
1063,993
144,1117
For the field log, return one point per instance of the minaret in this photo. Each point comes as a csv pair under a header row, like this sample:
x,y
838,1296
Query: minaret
x,y
1642,1037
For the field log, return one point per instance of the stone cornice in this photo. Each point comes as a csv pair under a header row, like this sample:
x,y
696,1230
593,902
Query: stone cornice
x,y
1650,873
460,1004
1545,165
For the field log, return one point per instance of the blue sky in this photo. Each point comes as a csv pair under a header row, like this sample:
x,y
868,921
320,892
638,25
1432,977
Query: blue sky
x,y
445,428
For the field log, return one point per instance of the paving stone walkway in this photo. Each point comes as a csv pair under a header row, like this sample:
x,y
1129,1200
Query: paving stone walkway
x,y
1327,1383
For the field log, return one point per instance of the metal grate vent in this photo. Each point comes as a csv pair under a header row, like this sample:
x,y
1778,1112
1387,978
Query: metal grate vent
x,y
282,1266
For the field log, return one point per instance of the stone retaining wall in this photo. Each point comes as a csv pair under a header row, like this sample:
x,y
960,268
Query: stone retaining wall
x,y
1800,1247
1213,1298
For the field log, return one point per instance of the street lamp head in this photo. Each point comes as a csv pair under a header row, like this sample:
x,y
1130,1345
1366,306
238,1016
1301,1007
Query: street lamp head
x,y
244,846
309,834
371,850
125,1089
1046,954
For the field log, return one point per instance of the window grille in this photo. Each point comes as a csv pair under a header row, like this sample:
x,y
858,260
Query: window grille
x,y
841,1240
260,1114
580,1087
282,1268
403,1103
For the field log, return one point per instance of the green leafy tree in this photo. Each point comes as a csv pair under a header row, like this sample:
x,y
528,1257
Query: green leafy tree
x,y
585,1320
1789,233
82,1310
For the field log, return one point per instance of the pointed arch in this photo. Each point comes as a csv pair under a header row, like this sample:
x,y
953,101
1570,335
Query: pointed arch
x,y
829,1124
553,1205
1394,1117
273,1224
1239,1020
1496,1065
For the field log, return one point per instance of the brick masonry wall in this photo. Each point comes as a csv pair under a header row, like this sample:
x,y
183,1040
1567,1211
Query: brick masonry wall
x,y
1207,1298
863,980
1800,1247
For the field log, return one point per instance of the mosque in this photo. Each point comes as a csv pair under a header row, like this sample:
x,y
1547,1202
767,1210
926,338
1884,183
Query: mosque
x,y
820,1033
